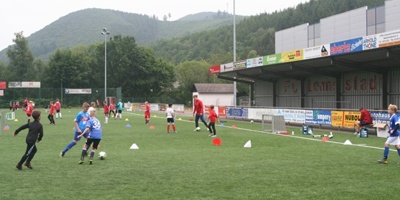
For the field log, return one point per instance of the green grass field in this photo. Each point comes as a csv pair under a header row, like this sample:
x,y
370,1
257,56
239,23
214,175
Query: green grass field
x,y
188,166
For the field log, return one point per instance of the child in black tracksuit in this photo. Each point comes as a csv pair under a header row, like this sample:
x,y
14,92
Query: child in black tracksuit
x,y
35,135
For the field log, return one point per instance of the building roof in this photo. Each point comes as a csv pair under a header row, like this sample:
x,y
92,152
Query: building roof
x,y
213,88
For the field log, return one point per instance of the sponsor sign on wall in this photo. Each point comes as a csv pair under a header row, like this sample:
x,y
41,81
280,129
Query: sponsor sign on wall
x,y
78,91
337,118
322,117
272,59
295,116
317,52
3,85
226,67
215,69
240,65
255,62
349,118
23,84
257,113
347,46
389,38
291,56
1,92
380,117
237,112
370,42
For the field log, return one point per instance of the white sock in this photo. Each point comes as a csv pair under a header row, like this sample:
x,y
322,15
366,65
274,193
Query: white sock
x,y
60,115
56,115
106,119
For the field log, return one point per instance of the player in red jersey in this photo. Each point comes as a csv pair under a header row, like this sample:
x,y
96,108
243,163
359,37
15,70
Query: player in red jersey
x,y
26,102
57,105
198,112
106,111
28,110
213,117
51,113
147,113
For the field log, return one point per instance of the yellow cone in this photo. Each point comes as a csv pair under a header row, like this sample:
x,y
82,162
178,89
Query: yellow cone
x,y
15,120
180,118
155,115
127,120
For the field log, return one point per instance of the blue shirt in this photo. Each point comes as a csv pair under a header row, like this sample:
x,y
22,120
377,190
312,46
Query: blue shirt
x,y
94,126
82,118
394,120
119,105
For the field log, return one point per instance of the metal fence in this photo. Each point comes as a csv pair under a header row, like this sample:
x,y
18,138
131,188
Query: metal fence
x,y
43,96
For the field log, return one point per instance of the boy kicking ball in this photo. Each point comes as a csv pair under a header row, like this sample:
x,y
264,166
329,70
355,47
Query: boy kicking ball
x,y
93,127
393,138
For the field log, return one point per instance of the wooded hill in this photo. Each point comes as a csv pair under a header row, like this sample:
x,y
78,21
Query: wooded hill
x,y
84,27
255,35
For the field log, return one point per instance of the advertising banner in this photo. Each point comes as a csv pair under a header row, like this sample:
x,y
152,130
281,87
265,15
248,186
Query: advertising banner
x,y
322,117
391,38
257,113
78,91
347,46
1,93
226,67
272,59
221,111
337,118
240,65
3,85
178,108
295,116
215,69
23,84
255,62
316,52
237,112
349,118
380,117
370,42
291,56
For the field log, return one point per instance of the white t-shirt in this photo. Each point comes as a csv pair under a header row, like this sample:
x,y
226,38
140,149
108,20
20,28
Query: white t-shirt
x,y
170,112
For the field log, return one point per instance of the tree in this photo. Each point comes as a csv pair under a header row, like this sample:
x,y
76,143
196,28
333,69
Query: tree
x,y
189,73
20,59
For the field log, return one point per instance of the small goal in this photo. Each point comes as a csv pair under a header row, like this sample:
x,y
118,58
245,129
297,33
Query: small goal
x,y
273,123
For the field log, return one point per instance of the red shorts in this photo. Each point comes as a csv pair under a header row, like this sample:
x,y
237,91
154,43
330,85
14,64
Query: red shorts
x,y
147,115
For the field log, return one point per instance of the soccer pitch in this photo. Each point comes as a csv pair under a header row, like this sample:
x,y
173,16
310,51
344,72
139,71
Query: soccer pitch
x,y
187,165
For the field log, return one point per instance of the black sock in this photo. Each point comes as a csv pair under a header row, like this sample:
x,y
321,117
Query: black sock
x,y
92,155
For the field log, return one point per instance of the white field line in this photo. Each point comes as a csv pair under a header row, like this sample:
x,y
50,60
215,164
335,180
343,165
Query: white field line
x,y
292,136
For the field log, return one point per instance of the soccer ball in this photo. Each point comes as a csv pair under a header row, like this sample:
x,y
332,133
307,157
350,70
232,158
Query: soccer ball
x,y
251,121
102,155
198,129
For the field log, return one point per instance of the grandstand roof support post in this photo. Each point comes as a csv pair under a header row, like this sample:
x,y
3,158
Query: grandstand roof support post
x,y
338,92
274,93
302,93
385,90
252,100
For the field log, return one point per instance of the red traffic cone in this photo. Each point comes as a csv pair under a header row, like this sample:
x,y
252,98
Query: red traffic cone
x,y
325,139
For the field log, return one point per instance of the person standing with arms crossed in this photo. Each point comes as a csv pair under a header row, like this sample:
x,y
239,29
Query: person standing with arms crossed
x,y
120,107
198,112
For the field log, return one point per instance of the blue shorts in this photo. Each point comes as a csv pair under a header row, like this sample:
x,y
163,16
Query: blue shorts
x,y
77,134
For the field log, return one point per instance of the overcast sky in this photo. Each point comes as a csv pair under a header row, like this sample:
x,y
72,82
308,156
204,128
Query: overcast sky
x,y
30,16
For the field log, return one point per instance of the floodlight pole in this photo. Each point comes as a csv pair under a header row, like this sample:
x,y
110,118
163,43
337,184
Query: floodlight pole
x,y
234,51
105,33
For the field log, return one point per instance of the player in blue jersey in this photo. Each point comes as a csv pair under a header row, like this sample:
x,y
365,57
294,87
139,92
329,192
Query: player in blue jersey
x,y
80,125
93,127
394,133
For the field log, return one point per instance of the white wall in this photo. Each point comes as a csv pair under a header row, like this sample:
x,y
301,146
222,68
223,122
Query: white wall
x,y
344,26
291,38
392,15
217,99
